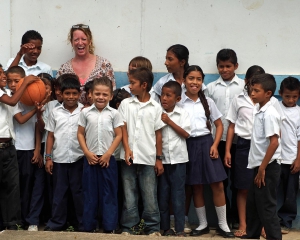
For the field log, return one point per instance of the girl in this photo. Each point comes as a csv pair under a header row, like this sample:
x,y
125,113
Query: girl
x,y
204,166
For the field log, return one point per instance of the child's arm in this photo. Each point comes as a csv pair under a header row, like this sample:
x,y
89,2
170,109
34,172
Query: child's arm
x,y
159,168
24,118
296,164
128,152
260,177
104,159
25,48
165,118
49,147
214,154
37,150
229,139
91,157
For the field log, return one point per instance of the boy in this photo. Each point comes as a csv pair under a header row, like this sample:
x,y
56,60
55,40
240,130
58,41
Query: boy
x,y
290,154
222,91
66,163
171,184
13,75
142,149
264,158
9,172
27,57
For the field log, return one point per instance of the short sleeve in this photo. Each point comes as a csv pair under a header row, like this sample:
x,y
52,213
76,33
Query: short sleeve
x,y
2,93
82,119
275,103
158,122
18,108
186,122
215,114
117,121
122,110
271,125
232,111
50,125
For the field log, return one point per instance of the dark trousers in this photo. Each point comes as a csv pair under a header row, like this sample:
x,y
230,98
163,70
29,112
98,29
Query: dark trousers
x,y
231,205
10,207
171,187
66,176
262,203
32,181
100,191
290,184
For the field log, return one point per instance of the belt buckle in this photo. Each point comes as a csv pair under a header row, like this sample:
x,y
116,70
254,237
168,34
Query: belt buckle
x,y
5,144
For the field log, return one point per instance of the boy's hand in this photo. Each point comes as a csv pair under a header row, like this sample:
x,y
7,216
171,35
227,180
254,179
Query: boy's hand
x,y
165,118
40,162
259,180
30,79
213,153
227,159
46,99
104,160
159,168
295,167
25,48
128,157
49,166
92,158
36,156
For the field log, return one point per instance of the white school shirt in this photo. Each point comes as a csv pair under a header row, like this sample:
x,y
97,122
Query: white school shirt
x,y
266,124
222,94
290,134
241,114
174,146
64,125
142,120
99,127
47,110
197,115
25,133
6,118
36,69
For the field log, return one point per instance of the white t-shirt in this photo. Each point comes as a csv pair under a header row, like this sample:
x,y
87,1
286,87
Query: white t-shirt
x,y
6,118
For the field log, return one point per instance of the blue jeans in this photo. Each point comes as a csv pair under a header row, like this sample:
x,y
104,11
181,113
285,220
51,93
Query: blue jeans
x,y
142,177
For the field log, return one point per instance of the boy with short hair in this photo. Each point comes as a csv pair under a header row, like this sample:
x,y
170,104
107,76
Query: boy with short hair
x,y
142,149
171,184
290,153
66,162
13,75
27,57
264,158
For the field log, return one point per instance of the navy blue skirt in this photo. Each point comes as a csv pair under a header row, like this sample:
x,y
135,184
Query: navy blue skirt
x,y
201,169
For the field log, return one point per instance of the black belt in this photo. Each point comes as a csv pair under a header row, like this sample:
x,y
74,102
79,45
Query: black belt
x,y
6,144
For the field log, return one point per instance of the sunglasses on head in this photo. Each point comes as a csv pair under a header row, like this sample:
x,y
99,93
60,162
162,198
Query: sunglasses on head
x,y
80,26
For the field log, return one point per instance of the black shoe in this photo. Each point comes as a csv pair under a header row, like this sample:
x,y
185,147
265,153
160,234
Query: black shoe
x,y
12,227
109,231
47,228
225,234
195,232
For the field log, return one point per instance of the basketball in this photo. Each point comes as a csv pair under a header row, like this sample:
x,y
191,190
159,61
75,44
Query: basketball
x,y
35,92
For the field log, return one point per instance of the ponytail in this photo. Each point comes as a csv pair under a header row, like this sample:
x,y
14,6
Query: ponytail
x,y
206,108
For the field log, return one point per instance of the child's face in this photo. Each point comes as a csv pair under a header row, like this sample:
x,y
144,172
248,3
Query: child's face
x,y
172,63
259,95
70,98
226,69
168,99
193,83
135,86
289,98
88,96
2,79
48,89
12,81
101,96
58,94
35,52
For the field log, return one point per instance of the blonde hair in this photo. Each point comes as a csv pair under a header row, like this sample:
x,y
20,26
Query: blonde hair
x,y
86,31
139,62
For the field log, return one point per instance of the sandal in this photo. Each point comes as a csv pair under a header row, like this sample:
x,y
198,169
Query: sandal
x,y
169,232
240,233
181,234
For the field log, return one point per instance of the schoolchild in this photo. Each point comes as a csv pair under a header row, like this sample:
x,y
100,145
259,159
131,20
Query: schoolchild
x,y
14,75
88,93
27,57
205,165
64,157
264,158
290,153
142,151
222,91
99,134
171,184
10,207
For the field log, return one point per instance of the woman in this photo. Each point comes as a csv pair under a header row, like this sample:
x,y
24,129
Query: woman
x,y
86,65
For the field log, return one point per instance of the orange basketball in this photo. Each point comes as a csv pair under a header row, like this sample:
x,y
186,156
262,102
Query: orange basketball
x,y
35,92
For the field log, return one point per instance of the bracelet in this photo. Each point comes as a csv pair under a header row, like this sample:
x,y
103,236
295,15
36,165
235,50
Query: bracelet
x,y
48,157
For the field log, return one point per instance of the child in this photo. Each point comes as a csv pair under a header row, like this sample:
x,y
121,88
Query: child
x,y
171,184
66,162
13,75
205,165
99,134
88,93
142,150
222,91
290,154
27,57
264,158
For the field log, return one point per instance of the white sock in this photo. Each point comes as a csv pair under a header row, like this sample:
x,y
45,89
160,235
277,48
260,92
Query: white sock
x,y
172,217
221,213
201,214
186,218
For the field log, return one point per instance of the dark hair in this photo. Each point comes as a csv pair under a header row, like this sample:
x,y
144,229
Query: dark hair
x,y
48,80
290,83
253,70
175,86
1,65
143,75
267,82
181,52
225,55
61,78
31,35
140,61
119,95
200,93
88,86
69,81
103,81
16,69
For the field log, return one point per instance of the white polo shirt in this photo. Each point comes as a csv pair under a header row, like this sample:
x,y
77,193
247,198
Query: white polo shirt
x,y
197,115
290,134
36,69
6,118
266,124
142,120
174,146
64,125
99,127
222,94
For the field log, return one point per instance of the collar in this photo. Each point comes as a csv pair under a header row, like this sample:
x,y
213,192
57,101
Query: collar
x,y
222,82
176,109
264,108
93,107
23,63
186,98
78,109
135,100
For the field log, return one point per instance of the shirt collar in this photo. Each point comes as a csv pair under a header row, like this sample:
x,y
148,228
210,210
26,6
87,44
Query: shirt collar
x,y
78,109
23,63
176,109
135,99
234,80
93,107
186,98
264,108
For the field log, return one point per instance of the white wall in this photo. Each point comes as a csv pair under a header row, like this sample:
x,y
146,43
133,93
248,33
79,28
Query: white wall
x,y
263,32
